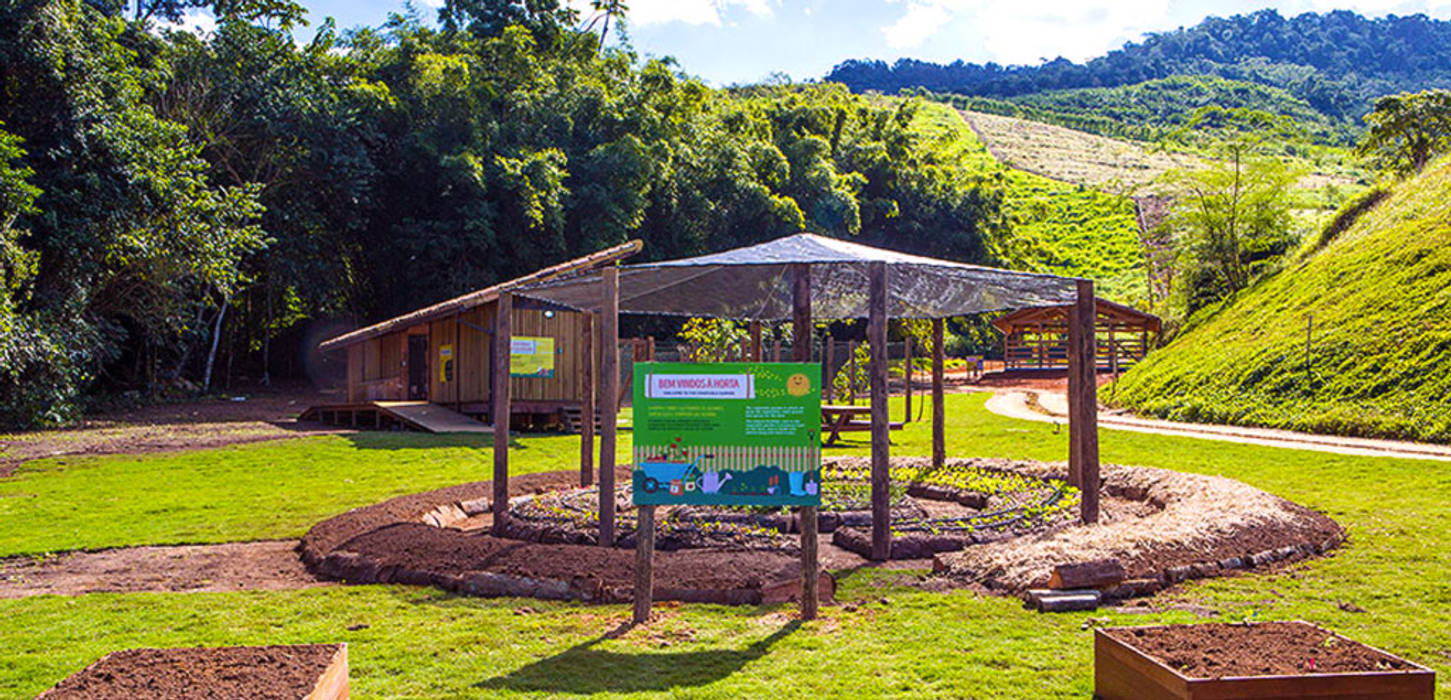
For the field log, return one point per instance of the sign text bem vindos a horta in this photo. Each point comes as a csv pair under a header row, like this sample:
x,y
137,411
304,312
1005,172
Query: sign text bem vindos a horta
x,y
740,433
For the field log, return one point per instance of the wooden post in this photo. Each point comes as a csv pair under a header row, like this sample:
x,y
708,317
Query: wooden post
x,y
826,376
776,350
851,386
939,418
881,454
587,411
503,338
610,390
1083,401
801,352
907,339
755,355
644,563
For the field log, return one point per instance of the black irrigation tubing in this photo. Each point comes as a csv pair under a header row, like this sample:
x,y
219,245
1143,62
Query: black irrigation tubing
x,y
1018,512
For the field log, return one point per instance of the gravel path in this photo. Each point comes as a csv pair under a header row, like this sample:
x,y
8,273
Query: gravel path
x,y
1052,407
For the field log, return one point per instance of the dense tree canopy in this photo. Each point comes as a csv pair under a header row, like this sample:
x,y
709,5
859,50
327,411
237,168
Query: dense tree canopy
x,y
1336,62
176,209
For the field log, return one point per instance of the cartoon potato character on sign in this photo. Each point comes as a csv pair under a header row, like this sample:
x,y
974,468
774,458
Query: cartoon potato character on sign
x,y
797,384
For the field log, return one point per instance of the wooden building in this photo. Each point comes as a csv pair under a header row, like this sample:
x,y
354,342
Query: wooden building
x,y
1037,338
444,355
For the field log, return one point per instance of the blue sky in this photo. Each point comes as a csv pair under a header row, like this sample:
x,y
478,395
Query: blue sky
x,y
736,41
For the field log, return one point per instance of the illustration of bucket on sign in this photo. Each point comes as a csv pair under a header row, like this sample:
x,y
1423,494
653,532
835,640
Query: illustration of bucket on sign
x,y
677,487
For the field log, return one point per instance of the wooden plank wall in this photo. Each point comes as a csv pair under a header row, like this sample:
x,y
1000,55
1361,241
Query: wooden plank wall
x,y
472,349
567,329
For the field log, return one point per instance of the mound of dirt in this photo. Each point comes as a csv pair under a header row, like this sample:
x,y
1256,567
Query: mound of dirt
x,y
390,542
1217,649
235,566
1188,526
225,673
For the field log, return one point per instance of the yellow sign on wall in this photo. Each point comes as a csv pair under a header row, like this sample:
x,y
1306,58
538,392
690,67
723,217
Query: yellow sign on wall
x,y
531,357
445,363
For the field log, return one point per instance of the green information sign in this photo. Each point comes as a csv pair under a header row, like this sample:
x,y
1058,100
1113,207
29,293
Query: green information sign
x,y
741,434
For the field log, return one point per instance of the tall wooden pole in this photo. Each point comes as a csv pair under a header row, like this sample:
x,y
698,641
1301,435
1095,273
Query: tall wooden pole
x,y
1083,401
939,417
587,411
755,341
828,389
801,352
907,340
503,338
610,393
881,452
644,563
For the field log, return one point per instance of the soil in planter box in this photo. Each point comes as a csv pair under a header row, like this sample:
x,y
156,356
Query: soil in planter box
x,y
242,673
1216,650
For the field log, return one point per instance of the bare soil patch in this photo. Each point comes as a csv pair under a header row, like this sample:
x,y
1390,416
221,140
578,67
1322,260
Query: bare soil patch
x,y
191,425
190,568
1216,650
390,542
1164,527
269,672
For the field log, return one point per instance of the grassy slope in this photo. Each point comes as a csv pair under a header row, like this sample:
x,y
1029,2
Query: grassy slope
x,y
1380,297
420,643
1069,229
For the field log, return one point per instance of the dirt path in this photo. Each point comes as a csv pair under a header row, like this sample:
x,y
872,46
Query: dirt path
x,y
1052,406
238,566
191,425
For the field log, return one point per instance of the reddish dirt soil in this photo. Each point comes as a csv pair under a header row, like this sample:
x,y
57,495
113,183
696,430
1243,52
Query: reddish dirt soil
x,y
190,568
388,542
280,672
1037,380
193,425
1217,650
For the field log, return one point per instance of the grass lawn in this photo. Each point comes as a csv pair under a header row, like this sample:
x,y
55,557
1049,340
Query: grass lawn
x,y
420,643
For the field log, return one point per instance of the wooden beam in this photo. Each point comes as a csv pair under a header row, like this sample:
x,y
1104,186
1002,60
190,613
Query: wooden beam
x,y
881,452
610,391
827,387
801,352
939,419
1083,402
644,563
755,355
503,337
588,409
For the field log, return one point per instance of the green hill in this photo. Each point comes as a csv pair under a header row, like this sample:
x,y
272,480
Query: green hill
x,y
1059,227
1379,297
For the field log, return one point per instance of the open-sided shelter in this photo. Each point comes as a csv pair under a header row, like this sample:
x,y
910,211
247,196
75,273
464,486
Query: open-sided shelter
x,y
807,276
443,355
1037,338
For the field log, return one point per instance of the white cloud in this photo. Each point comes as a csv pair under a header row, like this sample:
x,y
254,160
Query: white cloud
x,y
922,20
644,13
1013,31
197,21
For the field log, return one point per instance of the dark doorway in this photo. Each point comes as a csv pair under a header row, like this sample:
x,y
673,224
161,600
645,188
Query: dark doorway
x,y
417,368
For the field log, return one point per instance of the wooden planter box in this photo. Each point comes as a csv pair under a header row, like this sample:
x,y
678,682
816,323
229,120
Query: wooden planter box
x,y
1122,672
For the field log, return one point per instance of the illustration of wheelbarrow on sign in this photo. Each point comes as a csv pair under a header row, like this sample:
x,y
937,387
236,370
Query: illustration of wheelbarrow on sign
x,y
678,477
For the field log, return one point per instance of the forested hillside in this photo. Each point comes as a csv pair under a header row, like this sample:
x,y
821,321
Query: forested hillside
x,y
1336,62
178,211
1353,339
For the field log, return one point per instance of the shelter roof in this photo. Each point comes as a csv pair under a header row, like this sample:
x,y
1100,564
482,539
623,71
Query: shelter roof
x,y
752,283
1112,311
480,297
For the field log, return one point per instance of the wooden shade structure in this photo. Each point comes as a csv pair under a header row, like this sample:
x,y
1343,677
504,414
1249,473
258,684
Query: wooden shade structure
x,y
1037,338
803,276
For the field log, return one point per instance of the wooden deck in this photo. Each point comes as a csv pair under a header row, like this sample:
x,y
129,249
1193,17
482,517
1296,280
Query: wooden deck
x,y
387,415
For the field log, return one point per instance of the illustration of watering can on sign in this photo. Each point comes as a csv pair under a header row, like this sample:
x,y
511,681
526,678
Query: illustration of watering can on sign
x,y
711,481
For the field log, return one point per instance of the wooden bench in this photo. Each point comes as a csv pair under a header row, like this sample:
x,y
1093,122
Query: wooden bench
x,y
845,418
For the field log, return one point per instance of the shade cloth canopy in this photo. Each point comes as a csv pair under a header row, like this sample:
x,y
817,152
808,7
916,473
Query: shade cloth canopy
x,y
753,283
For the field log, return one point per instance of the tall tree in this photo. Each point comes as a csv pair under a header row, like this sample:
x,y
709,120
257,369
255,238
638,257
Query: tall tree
x,y
1404,132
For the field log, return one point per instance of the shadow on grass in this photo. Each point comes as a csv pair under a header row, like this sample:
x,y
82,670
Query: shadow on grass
x,y
586,669
406,440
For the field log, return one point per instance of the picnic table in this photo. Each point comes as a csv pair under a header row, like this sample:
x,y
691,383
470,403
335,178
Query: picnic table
x,y
841,418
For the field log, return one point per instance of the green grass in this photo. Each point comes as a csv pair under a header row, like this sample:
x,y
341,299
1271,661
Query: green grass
x,y
1379,295
421,643
255,491
1061,228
